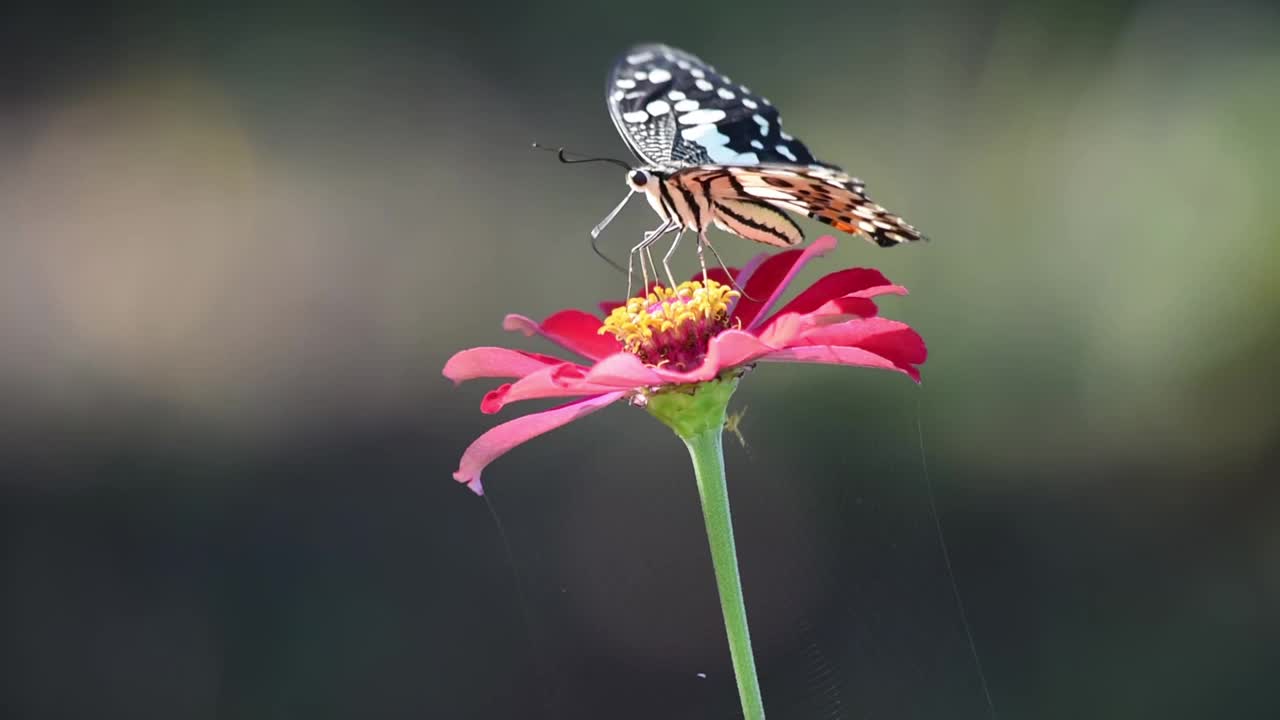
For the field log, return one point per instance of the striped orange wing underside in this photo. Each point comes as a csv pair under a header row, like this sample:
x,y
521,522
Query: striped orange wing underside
x,y
824,194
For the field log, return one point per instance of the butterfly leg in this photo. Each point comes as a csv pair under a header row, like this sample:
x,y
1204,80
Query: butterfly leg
x,y
643,247
703,241
666,265
702,260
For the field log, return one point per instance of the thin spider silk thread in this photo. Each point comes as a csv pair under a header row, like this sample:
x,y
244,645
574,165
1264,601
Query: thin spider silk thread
x,y
946,561
821,675
551,697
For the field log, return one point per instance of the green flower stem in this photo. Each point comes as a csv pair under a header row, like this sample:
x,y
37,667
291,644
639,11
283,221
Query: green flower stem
x,y
697,415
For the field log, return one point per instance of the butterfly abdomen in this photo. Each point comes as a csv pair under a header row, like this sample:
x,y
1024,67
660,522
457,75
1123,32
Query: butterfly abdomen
x,y
757,221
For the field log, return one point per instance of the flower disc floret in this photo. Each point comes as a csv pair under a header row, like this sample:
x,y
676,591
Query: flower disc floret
x,y
672,326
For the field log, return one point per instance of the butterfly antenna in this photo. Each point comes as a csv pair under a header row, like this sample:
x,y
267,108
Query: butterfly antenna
x,y
563,156
596,249
599,228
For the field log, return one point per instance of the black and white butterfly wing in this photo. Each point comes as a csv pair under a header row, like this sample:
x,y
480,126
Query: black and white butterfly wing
x,y
671,108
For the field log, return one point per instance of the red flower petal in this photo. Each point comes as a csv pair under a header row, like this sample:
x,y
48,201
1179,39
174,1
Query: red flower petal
x,y
498,440
888,338
575,330
771,279
840,308
841,283
743,276
564,380
495,362
834,355
718,274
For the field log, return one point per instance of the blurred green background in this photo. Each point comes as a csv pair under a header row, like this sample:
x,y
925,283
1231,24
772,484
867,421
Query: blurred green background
x,y
238,244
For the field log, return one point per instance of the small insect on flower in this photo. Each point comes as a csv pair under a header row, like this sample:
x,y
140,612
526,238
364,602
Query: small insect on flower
x,y
733,424
712,152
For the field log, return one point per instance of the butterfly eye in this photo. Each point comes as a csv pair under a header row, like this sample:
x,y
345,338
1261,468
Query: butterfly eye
x,y
638,178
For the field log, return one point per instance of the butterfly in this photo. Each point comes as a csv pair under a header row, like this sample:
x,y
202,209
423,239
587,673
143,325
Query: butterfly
x,y
712,152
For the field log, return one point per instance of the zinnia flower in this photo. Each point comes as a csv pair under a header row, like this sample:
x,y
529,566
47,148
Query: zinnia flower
x,y
675,338
679,353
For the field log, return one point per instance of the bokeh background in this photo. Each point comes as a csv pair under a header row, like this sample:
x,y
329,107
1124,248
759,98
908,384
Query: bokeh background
x,y
237,244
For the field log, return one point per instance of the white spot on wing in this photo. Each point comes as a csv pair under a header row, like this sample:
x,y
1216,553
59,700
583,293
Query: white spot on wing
x,y
697,73
757,144
716,145
617,95
683,64
642,75
639,58
675,95
625,83
725,93
659,76
699,117
700,133
637,116
703,85
658,107
785,152
685,106
785,136
866,226
749,103
764,124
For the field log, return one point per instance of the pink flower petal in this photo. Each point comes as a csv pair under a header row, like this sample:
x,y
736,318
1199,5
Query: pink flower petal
x,y
834,355
495,362
748,271
841,283
769,282
623,370
730,348
564,380
575,330
495,443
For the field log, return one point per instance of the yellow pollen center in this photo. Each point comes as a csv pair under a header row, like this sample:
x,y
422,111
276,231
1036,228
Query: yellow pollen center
x,y
672,325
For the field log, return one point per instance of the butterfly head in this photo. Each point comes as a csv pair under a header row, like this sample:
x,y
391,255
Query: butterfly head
x,y
643,179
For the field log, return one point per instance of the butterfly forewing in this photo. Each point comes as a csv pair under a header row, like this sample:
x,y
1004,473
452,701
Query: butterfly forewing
x,y
672,108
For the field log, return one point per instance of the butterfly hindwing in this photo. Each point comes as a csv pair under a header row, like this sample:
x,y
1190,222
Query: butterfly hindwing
x,y
822,193
672,108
